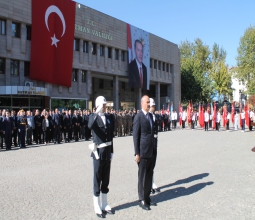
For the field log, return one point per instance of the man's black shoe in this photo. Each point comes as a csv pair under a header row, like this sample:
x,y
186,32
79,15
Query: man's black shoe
x,y
110,212
144,206
100,215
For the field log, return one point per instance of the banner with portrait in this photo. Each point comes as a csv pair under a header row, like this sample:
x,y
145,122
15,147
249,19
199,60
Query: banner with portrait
x,y
138,57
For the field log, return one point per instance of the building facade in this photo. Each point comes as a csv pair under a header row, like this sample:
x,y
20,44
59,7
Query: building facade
x,y
100,64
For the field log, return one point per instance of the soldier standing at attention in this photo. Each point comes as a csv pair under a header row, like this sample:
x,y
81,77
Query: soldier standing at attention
x,y
22,127
155,130
101,126
7,127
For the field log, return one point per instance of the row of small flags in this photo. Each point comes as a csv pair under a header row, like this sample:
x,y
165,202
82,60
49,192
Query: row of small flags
x,y
211,108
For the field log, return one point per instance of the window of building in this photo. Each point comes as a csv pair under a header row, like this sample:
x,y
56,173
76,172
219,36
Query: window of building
x,y
101,84
83,76
26,68
150,63
116,54
85,46
101,50
94,49
159,65
111,87
123,86
28,32
15,29
163,66
109,52
15,67
75,75
122,55
171,68
155,64
163,90
76,44
2,66
2,26
167,67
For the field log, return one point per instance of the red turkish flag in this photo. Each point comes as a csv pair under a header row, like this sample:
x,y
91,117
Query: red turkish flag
x,y
52,41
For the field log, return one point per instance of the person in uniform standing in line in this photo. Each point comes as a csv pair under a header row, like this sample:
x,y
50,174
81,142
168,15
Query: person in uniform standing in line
x,y
38,127
22,127
218,118
154,187
143,137
102,129
243,120
7,130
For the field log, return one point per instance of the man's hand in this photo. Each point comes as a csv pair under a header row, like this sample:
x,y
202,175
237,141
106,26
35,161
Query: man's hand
x,y
137,158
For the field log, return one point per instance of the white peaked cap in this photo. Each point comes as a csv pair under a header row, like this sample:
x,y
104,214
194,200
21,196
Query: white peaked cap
x,y
100,100
152,102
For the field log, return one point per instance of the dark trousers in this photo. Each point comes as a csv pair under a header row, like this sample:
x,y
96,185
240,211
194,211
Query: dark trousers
x,y
46,135
210,123
8,140
218,126
29,135
206,125
67,134
192,124
1,140
250,128
145,174
57,134
183,124
14,136
101,176
76,131
174,124
37,135
22,136
227,125
243,124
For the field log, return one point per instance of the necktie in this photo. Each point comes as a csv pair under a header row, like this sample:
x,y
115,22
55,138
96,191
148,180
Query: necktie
x,y
148,118
141,77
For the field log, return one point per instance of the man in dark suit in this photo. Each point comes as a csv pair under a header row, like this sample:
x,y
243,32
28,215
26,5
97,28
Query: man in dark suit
x,y
102,127
56,120
7,125
137,70
143,136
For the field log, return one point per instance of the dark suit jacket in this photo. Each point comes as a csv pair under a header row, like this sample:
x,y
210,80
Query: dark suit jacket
x,y
7,125
143,135
134,77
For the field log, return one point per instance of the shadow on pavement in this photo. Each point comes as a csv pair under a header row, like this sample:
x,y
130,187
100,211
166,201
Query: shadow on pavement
x,y
179,191
186,180
173,193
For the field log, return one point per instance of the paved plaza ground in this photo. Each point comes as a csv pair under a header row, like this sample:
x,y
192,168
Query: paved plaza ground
x,y
202,175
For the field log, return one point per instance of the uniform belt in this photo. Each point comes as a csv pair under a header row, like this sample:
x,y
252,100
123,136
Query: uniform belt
x,y
104,144
155,136
22,123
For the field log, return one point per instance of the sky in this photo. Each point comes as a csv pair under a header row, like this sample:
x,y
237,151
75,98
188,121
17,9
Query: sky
x,y
216,21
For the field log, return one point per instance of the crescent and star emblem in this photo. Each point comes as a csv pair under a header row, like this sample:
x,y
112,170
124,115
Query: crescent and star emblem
x,y
56,10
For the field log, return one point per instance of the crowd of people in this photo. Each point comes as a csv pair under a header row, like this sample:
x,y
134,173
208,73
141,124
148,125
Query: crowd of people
x,y
47,126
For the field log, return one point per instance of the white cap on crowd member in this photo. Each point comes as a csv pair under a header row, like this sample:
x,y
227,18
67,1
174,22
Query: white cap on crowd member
x,y
152,102
100,100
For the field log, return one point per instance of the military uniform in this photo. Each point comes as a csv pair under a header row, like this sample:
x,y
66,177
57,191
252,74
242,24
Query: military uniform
x,y
101,125
22,126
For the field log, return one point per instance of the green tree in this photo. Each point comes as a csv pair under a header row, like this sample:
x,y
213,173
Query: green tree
x,y
219,74
246,60
195,66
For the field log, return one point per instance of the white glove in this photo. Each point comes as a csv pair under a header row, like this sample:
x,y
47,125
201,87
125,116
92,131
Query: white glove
x,y
99,108
19,130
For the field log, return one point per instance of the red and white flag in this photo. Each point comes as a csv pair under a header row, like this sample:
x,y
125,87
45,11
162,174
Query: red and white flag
x,y
214,115
52,41
233,112
247,115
